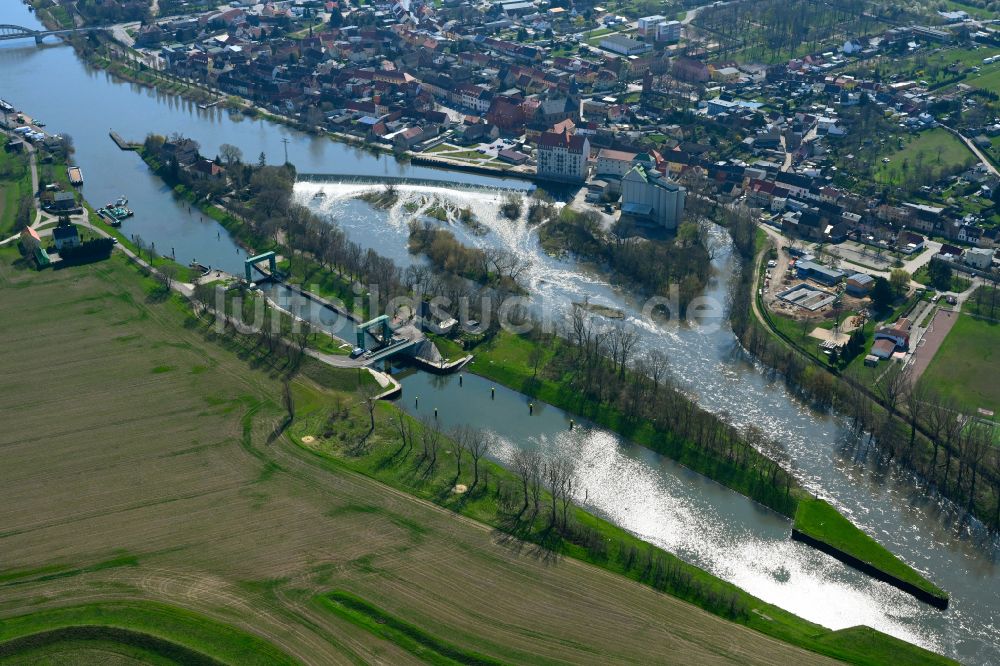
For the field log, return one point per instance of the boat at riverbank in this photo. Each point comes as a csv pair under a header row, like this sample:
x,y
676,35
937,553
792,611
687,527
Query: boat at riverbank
x,y
115,213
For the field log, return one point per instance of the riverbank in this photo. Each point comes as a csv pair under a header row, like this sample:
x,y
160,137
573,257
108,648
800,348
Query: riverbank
x,y
824,528
494,500
522,364
909,424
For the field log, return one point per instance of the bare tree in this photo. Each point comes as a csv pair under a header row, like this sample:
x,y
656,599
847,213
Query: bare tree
x,y
527,466
369,393
430,436
892,385
230,154
462,436
559,477
404,428
479,445
167,273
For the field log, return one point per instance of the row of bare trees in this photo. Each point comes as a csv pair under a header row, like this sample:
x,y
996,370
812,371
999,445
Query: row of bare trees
x,y
600,367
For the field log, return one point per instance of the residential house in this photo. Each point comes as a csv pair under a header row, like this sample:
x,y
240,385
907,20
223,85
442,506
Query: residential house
x,y
65,236
898,333
183,152
205,169
909,242
979,258
63,201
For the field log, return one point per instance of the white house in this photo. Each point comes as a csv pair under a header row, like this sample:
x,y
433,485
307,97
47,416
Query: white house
x,y
647,195
978,257
66,235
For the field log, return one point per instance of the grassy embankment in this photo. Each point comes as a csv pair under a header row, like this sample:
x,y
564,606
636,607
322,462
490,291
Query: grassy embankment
x,y
249,530
507,359
144,631
15,186
818,520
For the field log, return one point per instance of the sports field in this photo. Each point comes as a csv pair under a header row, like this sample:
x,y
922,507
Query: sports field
x,y
137,469
967,364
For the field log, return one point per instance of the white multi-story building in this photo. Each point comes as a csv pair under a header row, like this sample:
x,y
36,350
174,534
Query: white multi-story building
x,y
669,32
563,156
658,29
647,25
647,195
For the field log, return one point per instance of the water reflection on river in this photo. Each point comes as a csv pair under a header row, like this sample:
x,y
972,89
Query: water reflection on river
x,y
708,363
663,503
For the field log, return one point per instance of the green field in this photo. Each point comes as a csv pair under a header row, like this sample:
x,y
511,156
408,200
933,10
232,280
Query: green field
x,y
143,631
935,149
987,80
15,185
821,521
137,465
938,68
967,365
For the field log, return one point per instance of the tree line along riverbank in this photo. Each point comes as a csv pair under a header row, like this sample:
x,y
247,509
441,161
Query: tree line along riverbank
x,y
908,423
586,370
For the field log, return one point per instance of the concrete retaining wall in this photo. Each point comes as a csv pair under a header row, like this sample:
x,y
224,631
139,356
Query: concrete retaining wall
x,y
864,567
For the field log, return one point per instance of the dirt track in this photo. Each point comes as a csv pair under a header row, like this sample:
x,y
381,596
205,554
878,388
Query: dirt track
x,y
932,339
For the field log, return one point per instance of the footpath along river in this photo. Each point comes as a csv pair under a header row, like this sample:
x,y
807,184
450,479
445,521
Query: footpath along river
x,y
662,502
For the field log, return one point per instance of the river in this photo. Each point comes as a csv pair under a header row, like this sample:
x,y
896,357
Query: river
x,y
658,500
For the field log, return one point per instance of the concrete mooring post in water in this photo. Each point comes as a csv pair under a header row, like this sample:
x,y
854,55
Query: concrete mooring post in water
x,y
416,402
571,424
493,393
435,413
531,408
460,380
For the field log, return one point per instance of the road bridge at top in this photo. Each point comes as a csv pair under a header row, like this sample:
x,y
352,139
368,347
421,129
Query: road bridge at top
x,y
9,31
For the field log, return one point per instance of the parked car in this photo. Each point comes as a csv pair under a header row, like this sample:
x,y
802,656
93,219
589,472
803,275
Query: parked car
x,y
356,352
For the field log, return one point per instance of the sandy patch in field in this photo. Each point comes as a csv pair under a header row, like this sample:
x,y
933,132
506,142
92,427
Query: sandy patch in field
x,y
459,488
308,439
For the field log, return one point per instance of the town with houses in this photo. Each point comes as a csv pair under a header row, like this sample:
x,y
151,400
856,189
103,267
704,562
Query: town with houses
x,y
641,114
821,177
